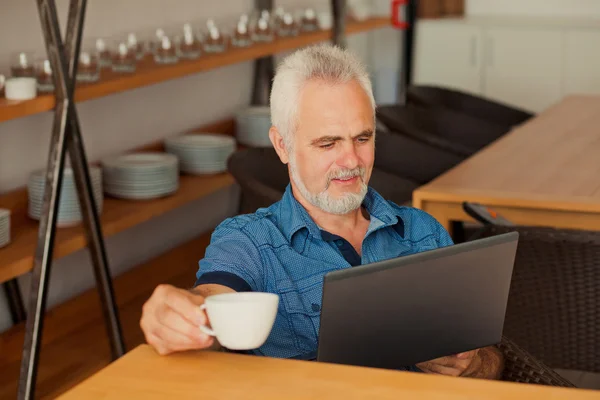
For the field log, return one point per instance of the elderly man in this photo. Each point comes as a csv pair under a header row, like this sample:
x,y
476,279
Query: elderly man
x,y
323,115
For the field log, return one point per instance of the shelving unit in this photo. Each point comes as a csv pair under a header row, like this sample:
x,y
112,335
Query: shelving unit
x,y
117,216
149,73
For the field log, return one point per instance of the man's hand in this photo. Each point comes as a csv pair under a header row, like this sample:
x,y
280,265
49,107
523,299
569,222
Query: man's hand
x,y
486,363
171,319
457,365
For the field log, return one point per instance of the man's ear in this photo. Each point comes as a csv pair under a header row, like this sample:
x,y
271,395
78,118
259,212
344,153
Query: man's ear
x,y
279,145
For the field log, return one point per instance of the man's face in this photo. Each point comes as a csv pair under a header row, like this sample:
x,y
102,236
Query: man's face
x,y
333,147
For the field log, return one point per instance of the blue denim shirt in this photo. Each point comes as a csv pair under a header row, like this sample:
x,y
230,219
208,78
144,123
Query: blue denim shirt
x,y
281,250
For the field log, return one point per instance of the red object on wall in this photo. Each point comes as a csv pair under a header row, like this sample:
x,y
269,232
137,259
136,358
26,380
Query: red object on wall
x,y
396,22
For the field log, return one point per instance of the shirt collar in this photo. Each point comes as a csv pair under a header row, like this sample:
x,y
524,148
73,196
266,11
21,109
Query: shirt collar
x,y
294,217
386,213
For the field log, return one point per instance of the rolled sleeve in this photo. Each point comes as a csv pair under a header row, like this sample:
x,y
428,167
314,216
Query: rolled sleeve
x,y
228,279
232,259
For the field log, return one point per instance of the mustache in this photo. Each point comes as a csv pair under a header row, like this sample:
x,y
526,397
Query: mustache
x,y
345,173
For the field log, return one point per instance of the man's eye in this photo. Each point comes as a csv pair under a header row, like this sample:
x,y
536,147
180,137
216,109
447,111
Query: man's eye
x,y
363,140
326,146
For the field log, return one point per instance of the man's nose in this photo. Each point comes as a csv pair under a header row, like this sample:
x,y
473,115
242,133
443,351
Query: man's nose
x,y
349,157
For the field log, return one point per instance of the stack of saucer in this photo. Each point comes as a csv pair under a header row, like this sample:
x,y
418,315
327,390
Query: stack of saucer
x,y
141,175
201,153
4,227
252,126
69,211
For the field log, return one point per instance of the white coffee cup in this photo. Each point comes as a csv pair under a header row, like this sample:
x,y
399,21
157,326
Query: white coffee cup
x,y
240,321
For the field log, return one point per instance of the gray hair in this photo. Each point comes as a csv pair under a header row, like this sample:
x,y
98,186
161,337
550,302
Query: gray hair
x,y
325,62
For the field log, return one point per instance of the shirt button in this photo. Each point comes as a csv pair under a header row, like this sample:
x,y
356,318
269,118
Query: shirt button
x,y
316,307
339,242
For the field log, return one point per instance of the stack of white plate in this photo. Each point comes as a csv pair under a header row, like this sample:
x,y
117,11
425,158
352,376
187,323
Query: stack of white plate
x,y
252,126
69,211
201,153
141,175
4,227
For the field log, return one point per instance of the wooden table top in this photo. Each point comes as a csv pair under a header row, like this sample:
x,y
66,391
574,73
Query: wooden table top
x,y
143,374
550,162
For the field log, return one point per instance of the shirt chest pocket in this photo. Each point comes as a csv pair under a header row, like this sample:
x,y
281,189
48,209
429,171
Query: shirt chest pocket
x,y
302,302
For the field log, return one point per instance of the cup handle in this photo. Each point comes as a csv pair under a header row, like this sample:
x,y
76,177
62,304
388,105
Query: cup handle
x,y
205,328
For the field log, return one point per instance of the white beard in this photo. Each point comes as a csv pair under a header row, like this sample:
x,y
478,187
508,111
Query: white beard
x,y
323,200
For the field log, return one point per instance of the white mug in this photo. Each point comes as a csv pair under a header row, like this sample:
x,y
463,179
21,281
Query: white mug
x,y
240,321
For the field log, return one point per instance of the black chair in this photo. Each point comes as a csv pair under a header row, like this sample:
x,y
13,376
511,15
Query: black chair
x,y
445,129
261,176
410,158
263,179
520,366
465,103
554,303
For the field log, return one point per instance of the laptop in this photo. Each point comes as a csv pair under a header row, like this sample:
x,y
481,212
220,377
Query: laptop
x,y
415,308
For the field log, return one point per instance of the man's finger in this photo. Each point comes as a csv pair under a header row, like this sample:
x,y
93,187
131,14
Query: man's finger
x,y
156,344
194,297
467,355
447,361
457,363
175,341
176,322
181,302
441,369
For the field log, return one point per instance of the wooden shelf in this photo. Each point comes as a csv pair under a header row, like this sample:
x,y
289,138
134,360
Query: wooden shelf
x,y
117,215
149,73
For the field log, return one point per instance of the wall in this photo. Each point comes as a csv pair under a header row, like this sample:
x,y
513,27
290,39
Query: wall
x,y
546,8
385,57
380,49
124,121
